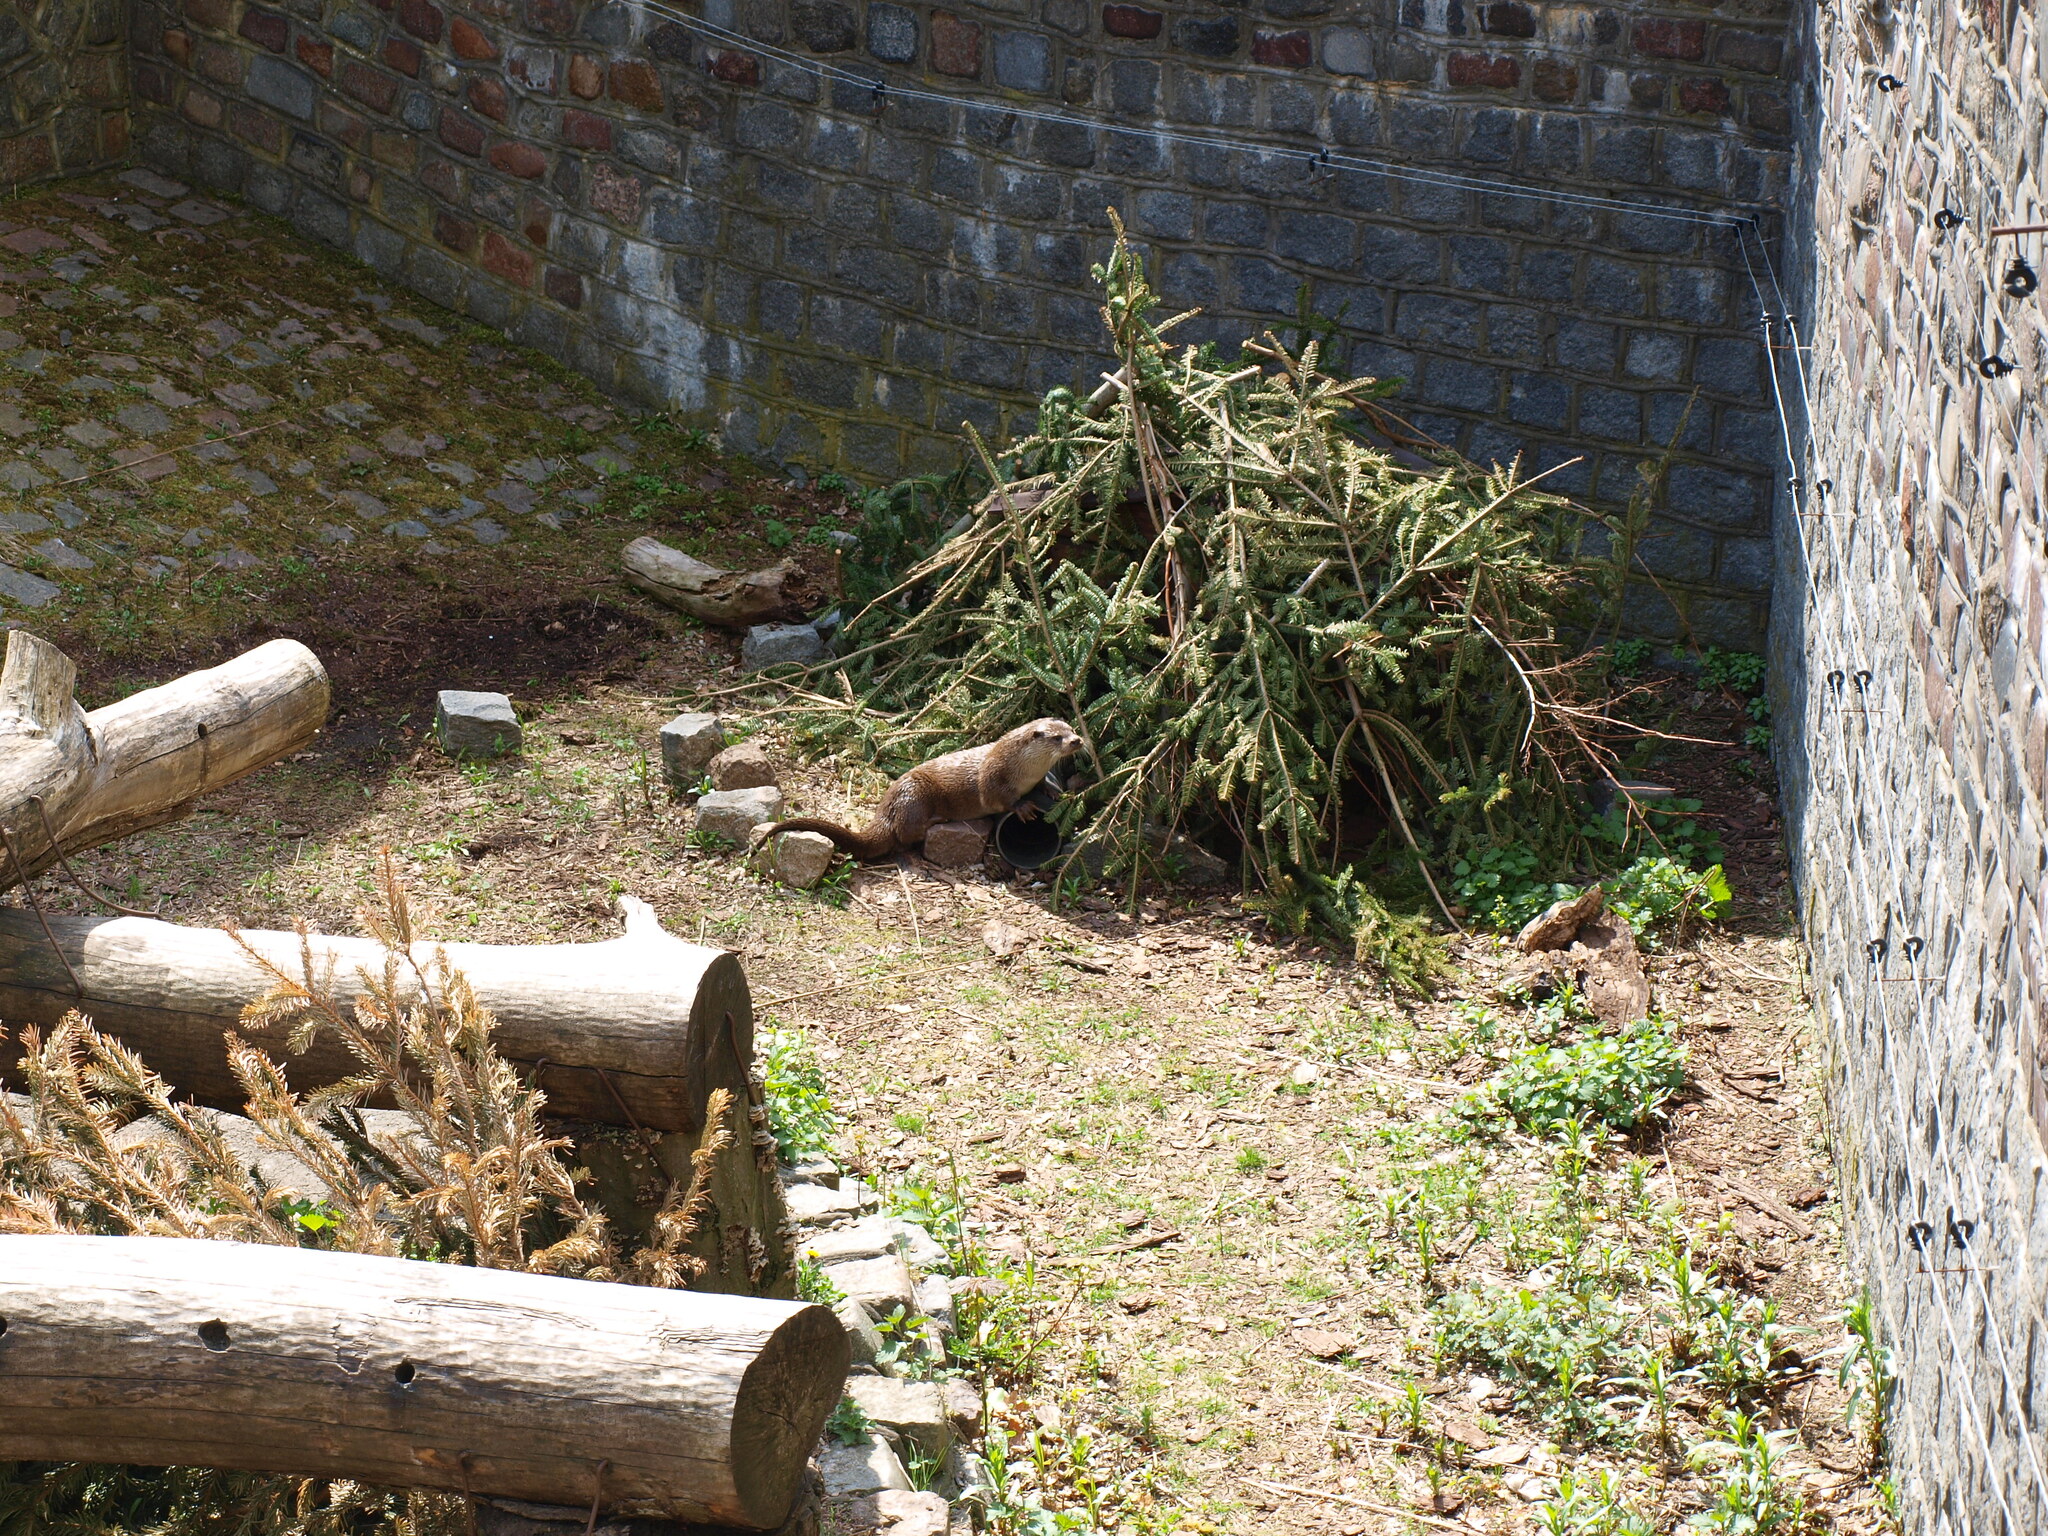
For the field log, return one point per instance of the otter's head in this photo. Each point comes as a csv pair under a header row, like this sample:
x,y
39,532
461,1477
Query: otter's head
x,y
1050,739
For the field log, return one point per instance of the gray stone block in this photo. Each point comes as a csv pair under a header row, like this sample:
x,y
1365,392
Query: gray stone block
x,y
1348,51
734,813
772,645
882,1284
475,725
849,1471
1023,61
745,766
892,33
688,743
957,844
916,1410
800,859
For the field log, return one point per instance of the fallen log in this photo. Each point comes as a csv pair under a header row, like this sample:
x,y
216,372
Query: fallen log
x,y
71,780
734,599
637,1030
172,1352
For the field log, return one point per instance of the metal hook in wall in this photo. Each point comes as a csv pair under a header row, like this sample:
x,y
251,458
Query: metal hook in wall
x,y
1889,83
2020,280
1320,169
1994,366
1948,219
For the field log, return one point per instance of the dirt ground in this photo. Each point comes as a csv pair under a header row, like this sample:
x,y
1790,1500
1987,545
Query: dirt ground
x,y
1209,1146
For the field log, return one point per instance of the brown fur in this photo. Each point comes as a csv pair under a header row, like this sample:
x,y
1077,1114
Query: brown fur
x,y
977,781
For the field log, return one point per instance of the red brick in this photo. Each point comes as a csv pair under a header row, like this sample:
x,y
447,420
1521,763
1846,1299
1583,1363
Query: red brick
x,y
464,135
441,178
470,41
956,46
736,68
536,222
389,148
586,77
371,87
555,17
150,83
403,55
504,259
586,130
1758,52
1665,38
337,122
114,133
488,97
316,55
456,234
202,107
635,83
210,13
516,159
1491,70
1555,81
1131,21
1288,50
1704,93
258,128
421,19
27,157
178,47
1507,18
565,288
615,193
220,63
266,29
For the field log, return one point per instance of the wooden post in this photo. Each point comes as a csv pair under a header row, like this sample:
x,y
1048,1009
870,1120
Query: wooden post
x,y
170,1352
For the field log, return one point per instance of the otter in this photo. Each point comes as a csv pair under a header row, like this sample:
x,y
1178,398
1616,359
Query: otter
x,y
976,781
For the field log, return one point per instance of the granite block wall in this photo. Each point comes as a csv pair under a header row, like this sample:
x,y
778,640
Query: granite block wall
x,y
63,87
1910,642
838,268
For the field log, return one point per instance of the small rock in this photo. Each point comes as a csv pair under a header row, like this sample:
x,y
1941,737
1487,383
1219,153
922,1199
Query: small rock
x,y
734,813
893,1512
334,533
775,645
935,1300
869,1239
963,1407
914,1409
61,556
1501,1456
812,1204
957,844
815,1169
29,591
882,1285
745,766
861,1333
917,1245
1009,1173
688,743
857,1469
839,538
800,859
91,434
479,725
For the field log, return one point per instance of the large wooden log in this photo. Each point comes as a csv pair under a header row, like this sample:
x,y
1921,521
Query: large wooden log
x,y
172,1352
91,778
635,1030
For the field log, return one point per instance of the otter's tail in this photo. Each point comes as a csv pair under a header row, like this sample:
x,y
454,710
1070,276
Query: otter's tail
x,y
873,843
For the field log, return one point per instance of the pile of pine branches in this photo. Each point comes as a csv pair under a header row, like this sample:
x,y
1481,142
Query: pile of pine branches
x,y
1274,614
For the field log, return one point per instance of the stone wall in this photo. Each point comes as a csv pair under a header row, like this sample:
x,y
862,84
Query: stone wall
x,y
839,271
63,87
1908,632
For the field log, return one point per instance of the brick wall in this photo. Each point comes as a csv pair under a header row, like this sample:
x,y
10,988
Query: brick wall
x,y
63,87
839,274
1908,633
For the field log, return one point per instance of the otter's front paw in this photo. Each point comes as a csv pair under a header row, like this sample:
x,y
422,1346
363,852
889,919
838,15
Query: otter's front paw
x,y
1025,810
